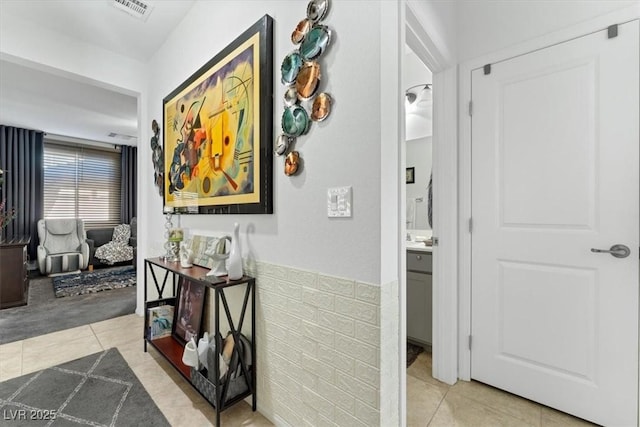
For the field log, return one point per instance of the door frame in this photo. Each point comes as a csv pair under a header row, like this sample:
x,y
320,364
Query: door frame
x,y
464,254
420,37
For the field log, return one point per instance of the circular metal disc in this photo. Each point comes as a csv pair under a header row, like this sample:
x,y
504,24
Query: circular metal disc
x,y
301,30
308,80
290,67
317,10
282,144
315,42
295,121
321,107
291,163
290,96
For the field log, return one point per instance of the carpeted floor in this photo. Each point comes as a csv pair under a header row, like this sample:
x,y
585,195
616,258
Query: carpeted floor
x,y
45,313
100,389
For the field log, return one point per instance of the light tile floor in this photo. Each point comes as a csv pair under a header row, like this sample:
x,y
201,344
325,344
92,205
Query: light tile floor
x,y
177,400
429,402
433,403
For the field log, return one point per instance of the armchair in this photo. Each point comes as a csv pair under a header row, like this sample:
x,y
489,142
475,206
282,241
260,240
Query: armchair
x,y
97,237
63,247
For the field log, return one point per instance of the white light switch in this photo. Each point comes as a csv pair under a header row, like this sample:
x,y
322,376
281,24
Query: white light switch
x,y
339,202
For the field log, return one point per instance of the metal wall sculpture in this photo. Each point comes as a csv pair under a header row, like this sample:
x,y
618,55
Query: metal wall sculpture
x,y
301,73
157,158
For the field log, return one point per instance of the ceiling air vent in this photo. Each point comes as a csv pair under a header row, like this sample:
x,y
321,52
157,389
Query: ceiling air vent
x,y
121,136
137,8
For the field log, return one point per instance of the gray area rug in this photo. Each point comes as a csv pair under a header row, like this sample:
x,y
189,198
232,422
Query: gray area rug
x,y
88,282
45,313
96,390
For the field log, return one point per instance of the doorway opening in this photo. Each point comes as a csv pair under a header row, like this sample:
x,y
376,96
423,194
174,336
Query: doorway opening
x,y
418,149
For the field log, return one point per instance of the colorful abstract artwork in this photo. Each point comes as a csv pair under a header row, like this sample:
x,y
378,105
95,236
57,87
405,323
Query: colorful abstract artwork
x,y
218,131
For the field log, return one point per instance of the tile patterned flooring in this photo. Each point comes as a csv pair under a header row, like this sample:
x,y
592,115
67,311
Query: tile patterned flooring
x,y
178,401
429,402
433,403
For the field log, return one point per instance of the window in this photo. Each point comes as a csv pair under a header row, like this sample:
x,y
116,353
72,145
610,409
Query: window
x,y
82,182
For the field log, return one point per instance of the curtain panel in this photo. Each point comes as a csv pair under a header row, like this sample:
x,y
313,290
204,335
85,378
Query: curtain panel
x,y
128,189
21,159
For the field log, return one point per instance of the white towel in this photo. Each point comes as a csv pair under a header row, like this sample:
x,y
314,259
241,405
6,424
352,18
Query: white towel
x,y
411,212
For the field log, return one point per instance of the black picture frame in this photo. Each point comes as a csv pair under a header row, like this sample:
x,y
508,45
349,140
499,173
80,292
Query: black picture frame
x,y
218,131
411,175
189,311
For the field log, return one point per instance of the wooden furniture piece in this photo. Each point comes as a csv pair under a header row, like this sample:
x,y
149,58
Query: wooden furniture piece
x,y
419,297
14,281
170,274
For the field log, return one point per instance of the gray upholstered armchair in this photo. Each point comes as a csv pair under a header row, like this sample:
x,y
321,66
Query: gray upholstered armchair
x,y
63,247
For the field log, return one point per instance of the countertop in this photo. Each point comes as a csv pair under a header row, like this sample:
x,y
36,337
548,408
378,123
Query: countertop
x,y
419,247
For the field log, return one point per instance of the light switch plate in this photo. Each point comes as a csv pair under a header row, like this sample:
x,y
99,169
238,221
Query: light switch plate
x,y
339,202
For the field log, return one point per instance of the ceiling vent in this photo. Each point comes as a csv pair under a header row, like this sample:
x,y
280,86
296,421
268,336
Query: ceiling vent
x,y
121,136
137,8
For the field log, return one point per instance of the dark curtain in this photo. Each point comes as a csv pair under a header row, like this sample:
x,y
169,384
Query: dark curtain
x,y
22,160
128,188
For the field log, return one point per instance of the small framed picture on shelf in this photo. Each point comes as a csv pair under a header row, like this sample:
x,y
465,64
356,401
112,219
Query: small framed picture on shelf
x,y
189,311
411,177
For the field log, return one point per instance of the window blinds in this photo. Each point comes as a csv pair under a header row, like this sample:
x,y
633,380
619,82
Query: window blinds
x,y
81,182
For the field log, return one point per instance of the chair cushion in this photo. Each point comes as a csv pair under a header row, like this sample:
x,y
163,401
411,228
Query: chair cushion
x,y
61,243
121,234
61,226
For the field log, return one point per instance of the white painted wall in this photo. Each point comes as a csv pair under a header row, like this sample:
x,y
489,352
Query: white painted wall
x,y
343,150
485,26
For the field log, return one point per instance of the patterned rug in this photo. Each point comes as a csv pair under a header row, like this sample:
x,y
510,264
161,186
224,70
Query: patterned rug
x,y
94,281
96,390
412,353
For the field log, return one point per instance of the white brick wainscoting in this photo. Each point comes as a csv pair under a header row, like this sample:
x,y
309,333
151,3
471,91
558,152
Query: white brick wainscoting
x,y
318,347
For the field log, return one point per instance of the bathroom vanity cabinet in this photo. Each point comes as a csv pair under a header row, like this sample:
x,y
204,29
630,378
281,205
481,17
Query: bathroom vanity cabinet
x,y
419,297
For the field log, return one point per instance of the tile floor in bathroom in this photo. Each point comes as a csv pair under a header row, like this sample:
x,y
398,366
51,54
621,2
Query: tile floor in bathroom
x,y
429,402
433,403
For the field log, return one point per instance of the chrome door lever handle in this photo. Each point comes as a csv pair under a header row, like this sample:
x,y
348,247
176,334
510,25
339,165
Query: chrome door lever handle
x,y
618,251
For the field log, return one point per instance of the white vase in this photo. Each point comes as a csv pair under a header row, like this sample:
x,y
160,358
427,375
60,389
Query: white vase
x,y
203,347
186,255
234,262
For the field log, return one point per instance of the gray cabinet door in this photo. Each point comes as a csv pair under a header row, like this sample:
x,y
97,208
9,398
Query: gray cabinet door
x,y
419,307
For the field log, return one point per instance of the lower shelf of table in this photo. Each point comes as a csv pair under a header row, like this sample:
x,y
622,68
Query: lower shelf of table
x,y
172,351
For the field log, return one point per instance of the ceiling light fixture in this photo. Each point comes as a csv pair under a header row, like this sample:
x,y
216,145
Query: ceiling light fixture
x,y
416,91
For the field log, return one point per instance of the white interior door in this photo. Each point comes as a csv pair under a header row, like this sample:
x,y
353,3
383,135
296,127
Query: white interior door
x,y
555,165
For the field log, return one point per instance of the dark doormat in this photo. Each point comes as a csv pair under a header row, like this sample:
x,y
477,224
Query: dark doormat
x,y
412,353
94,281
100,389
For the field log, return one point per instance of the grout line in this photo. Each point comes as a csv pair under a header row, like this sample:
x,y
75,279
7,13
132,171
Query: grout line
x,y
438,407
96,337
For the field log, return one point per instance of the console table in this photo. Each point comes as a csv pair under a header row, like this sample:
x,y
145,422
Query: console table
x,y
14,281
172,274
